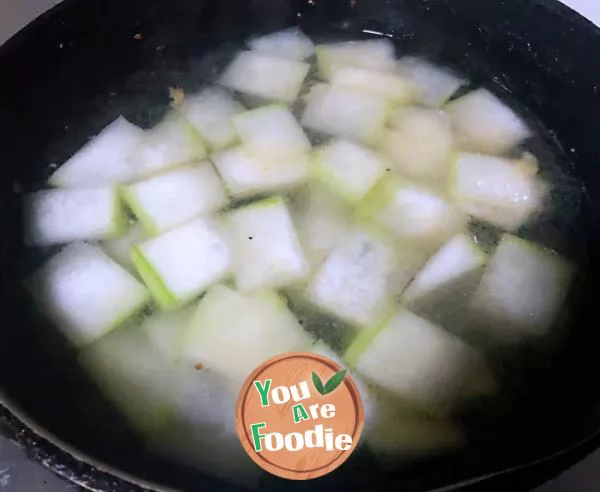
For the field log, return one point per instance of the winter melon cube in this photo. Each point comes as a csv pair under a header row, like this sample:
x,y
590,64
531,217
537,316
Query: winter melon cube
x,y
232,333
321,219
271,130
63,215
444,286
496,190
165,330
346,113
119,249
420,144
522,291
170,143
371,54
86,293
389,85
265,76
247,173
354,282
265,247
134,377
348,169
180,264
485,124
411,211
169,199
433,86
416,360
289,43
103,160
210,113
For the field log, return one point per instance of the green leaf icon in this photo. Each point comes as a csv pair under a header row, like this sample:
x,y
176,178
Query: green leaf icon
x,y
318,383
335,381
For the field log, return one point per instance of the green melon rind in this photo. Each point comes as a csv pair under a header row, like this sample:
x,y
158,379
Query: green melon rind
x,y
160,292
119,216
138,210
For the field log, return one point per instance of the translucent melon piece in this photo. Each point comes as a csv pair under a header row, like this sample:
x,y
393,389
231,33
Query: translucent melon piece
x,y
321,219
522,291
134,377
86,293
354,282
271,130
232,333
444,286
388,85
119,249
265,247
371,54
167,200
247,173
180,264
348,169
210,113
264,76
485,124
64,215
432,85
103,160
346,113
165,330
496,190
170,143
419,362
420,144
204,435
411,211
290,43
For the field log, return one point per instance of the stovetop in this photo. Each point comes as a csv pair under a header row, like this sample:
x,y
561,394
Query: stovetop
x,y
20,474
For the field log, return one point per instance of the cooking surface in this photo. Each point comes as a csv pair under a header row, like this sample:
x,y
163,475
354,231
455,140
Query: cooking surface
x,y
20,474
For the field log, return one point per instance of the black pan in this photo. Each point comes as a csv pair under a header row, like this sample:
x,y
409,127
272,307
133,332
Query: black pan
x,y
85,62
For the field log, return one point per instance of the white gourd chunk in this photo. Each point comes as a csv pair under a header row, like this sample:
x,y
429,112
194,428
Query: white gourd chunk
x,y
85,293
348,169
346,113
389,85
210,113
167,200
271,130
169,144
232,333
496,190
418,361
182,263
432,85
103,160
290,43
63,215
165,330
420,144
264,76
411,211
265,247
119,249
321,219
483,123
412,257
354,282
522,291
134,377
371,54
444,286
247,173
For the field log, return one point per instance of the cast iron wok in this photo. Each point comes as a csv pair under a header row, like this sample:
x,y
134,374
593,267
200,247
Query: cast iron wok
x,y
87,61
